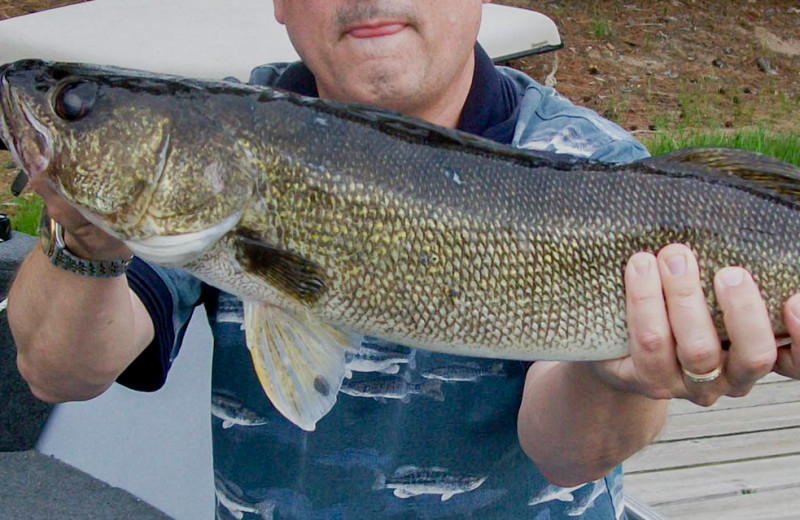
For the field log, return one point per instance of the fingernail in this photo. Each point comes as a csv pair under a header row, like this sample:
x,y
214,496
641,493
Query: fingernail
x,y
732,276
642,267
677,265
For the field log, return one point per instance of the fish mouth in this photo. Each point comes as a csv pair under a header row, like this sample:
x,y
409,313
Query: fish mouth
x,y
25,137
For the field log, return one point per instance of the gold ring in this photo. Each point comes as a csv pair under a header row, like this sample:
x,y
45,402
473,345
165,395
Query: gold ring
x,y
703,378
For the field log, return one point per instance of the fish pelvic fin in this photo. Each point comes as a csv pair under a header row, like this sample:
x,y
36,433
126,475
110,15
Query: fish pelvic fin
x,y
433,389
497,369
294,275
299,361
757,169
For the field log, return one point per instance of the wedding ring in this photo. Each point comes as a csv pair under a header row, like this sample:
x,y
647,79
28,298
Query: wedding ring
x,y
703,378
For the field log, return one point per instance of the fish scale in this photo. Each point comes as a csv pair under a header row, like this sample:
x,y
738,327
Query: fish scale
x,y
335,220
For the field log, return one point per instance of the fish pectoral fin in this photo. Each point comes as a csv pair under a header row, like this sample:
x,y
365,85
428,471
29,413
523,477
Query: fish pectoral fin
x,y
403,493
757,169
289,272
299,361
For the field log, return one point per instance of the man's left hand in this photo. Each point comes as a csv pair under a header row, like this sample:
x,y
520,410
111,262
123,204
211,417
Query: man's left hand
x,y
675,351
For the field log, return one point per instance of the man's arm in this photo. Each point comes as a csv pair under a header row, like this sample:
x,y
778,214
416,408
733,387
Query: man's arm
x,y
576,428
74,334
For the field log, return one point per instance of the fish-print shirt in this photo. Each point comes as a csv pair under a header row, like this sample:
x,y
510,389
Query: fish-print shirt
x,y
414,434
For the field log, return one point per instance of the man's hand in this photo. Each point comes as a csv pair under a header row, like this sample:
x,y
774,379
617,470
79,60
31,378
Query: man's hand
x,y
671,332
83,238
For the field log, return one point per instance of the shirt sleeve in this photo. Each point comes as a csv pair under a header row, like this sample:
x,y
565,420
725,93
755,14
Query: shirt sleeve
x,y
169,295
552,123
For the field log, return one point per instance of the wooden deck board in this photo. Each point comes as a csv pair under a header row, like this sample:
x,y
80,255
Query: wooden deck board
x,y
737,459
732,421
768,505
659,488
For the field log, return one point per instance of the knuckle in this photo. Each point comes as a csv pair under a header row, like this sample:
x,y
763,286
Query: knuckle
x,y
740,392
743,306
650,341
683,296
764,363
757,366
641,298
699,352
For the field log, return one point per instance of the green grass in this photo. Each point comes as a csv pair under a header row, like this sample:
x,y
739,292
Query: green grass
x,y
26,215
601,25
784,146
601,28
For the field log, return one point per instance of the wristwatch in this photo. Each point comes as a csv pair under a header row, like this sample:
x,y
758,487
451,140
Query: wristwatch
x,y
52,238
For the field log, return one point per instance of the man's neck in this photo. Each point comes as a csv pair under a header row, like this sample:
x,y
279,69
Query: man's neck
x,y
446,109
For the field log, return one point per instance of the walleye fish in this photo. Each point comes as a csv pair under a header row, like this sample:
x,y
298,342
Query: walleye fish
x,y
229,496
332,221
383,387
410,481
462,372
233,412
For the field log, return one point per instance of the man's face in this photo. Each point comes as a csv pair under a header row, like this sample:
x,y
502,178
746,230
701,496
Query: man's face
x,y
400,54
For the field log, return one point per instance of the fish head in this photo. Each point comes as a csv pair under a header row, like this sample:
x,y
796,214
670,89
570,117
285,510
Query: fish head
x,y
66,125
141,155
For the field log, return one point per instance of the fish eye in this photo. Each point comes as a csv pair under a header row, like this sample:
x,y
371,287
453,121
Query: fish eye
x,y
74,101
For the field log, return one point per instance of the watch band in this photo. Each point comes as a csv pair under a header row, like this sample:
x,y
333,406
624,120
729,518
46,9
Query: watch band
x,y
54,247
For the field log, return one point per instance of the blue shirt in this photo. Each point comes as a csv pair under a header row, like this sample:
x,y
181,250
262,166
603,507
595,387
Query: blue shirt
x,y
414,434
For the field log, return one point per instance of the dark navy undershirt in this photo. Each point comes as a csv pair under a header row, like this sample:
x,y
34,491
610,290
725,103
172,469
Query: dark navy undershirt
x,y
490,111
148,372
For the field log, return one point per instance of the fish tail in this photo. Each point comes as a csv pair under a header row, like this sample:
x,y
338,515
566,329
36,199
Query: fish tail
x,y
380,480
412,359
266,510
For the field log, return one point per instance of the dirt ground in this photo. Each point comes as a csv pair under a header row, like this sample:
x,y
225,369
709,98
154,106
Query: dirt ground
x,y
672,65
652,65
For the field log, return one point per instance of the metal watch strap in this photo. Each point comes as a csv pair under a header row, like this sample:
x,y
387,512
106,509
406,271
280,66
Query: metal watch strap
x,y
62,257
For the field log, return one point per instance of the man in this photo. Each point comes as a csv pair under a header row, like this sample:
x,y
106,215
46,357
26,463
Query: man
x,y
413,434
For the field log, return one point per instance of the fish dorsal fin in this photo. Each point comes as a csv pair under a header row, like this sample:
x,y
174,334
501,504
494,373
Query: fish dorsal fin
x,y
757,169
299,361
403,471
287,271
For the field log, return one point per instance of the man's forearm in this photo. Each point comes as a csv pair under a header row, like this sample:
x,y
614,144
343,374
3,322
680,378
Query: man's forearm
x,y
576,428
74,334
